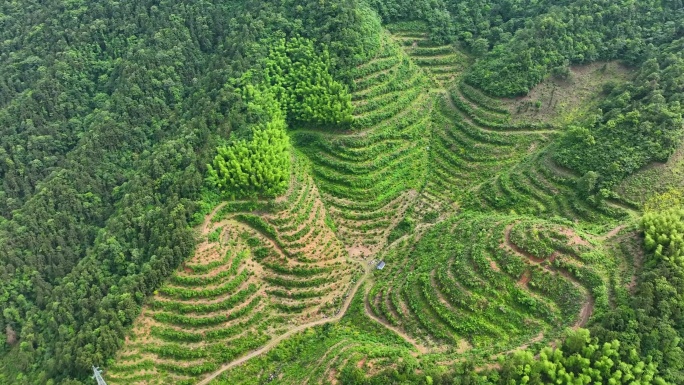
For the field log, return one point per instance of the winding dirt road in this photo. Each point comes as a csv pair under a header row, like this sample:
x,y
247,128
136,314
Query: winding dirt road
x,y
274,342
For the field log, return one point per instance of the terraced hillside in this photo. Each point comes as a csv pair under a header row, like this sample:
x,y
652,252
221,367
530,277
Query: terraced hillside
x,y
510,164
433,178
488,282
318,355
442,62
254,275
465,153
314,192
539,187
369,177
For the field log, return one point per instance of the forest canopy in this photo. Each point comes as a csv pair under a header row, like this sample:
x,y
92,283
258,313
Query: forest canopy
x,y
109,114
300,80
294,88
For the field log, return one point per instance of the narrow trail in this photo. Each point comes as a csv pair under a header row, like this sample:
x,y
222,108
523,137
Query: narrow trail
x,y
622,206
497,366
422,349
560,170
524,346
514,247
320,360
274,342
208,218
611,233
585,313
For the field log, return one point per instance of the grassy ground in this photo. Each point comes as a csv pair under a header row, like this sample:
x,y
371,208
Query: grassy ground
x,y
657,186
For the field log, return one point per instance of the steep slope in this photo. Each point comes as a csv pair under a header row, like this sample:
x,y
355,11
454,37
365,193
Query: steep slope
x,y
253,277
369,176
496,233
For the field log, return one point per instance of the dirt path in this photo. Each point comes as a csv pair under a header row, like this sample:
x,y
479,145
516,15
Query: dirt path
x,y
497,366
274,342
558,169
524,279
422,349
320,360
524,346
611,233
208,218
514,247
585,313
621,206
638,255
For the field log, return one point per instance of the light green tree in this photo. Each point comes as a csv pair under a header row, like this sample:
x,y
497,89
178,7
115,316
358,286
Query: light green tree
x,y
259,166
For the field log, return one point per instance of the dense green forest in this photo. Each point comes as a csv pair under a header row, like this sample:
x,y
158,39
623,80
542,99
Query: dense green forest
x,y
182,183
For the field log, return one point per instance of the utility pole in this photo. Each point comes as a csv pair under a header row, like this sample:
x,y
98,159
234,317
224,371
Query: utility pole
x,y
97,375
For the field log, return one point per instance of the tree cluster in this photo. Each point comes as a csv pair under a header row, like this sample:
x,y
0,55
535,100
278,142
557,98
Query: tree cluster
x,y
300,79
580,359
650,321
256,167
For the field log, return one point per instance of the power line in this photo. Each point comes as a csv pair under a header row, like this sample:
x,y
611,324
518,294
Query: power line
x,y
97,375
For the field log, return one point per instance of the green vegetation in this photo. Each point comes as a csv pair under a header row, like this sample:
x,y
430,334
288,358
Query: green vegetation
x,y
641,123
489,282
260,166
110,113
301,81
352,132
319,353
579,360
262,271
365,176
649,320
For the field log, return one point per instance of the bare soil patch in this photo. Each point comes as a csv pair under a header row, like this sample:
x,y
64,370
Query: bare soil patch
x,y
524,279
585,313
359,251
561,101
573,237
494,266
509,244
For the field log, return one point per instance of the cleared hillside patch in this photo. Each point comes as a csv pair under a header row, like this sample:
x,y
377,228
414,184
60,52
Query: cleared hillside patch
x,y
560,101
